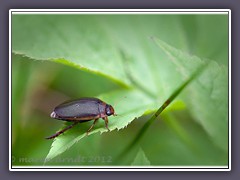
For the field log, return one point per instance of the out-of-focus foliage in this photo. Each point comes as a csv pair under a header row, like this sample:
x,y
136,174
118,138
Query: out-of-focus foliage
x,y
141,159
113,56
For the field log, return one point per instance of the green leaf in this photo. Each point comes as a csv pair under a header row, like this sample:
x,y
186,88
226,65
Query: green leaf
x,y
203,38
128,110
63,38
208,96
119,48
180,141
161,109
141,159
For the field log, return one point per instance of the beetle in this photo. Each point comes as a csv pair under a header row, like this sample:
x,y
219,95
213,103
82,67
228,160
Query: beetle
x,y
82,110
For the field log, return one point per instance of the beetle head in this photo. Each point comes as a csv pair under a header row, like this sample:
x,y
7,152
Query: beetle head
x,y
109,110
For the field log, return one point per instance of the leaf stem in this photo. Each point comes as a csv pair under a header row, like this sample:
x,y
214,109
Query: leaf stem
x,y
157,113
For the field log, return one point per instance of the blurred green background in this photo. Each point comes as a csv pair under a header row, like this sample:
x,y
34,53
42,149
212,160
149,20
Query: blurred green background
x,y
61,57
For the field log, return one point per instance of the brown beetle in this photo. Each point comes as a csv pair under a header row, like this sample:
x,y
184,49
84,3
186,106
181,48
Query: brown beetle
x,y
82,110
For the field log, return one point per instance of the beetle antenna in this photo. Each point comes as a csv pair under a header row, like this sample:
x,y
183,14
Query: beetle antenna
x,y
62,131
117,103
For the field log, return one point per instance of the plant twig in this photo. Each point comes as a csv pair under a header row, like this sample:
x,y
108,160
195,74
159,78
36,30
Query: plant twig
x,y
157,113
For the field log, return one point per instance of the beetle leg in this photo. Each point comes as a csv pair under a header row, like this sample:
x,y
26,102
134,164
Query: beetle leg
x,y
91,126
106,122
62,131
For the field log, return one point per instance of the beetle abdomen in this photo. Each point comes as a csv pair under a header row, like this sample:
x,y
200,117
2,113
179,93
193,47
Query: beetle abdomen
x,y
85,108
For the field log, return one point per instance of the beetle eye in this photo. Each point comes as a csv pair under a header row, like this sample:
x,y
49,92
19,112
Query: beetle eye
x,y
109,110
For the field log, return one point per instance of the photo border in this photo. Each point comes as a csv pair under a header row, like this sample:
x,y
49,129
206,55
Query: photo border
x,y
121,168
